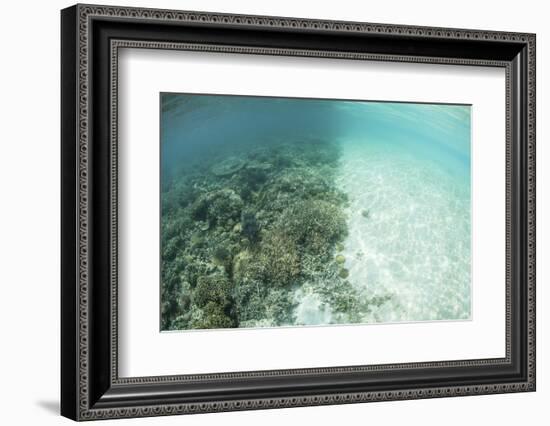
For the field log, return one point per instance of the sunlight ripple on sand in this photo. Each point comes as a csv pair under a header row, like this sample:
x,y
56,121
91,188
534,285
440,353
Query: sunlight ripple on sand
x,y
409,234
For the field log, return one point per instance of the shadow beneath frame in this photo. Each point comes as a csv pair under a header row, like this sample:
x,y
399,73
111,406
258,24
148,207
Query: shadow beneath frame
x,y
51,406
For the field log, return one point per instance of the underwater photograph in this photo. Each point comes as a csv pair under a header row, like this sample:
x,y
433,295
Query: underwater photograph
x,y
284,212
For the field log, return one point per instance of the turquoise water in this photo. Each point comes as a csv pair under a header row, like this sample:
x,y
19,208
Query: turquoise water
x,y
401,169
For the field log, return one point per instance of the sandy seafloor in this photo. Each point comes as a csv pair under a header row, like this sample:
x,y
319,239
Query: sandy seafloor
x,y
409,233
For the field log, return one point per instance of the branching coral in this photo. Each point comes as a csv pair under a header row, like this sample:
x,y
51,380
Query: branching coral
x,y
279,259
213,295
213,316
212,288
217,207
315,225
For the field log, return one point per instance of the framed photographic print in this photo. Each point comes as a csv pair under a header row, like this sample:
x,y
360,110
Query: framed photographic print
x,y
263,212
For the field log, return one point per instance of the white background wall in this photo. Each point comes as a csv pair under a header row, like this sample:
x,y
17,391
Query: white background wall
x,y
29,212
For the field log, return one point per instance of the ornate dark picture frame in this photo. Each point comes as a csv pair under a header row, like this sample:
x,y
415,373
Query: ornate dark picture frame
x,y
90,38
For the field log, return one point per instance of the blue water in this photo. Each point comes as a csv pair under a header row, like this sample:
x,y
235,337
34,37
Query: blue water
x,y
405,168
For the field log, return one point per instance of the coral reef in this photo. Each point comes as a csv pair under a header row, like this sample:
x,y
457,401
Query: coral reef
x,y
343,273
228,167
340,259
242,236
249,226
